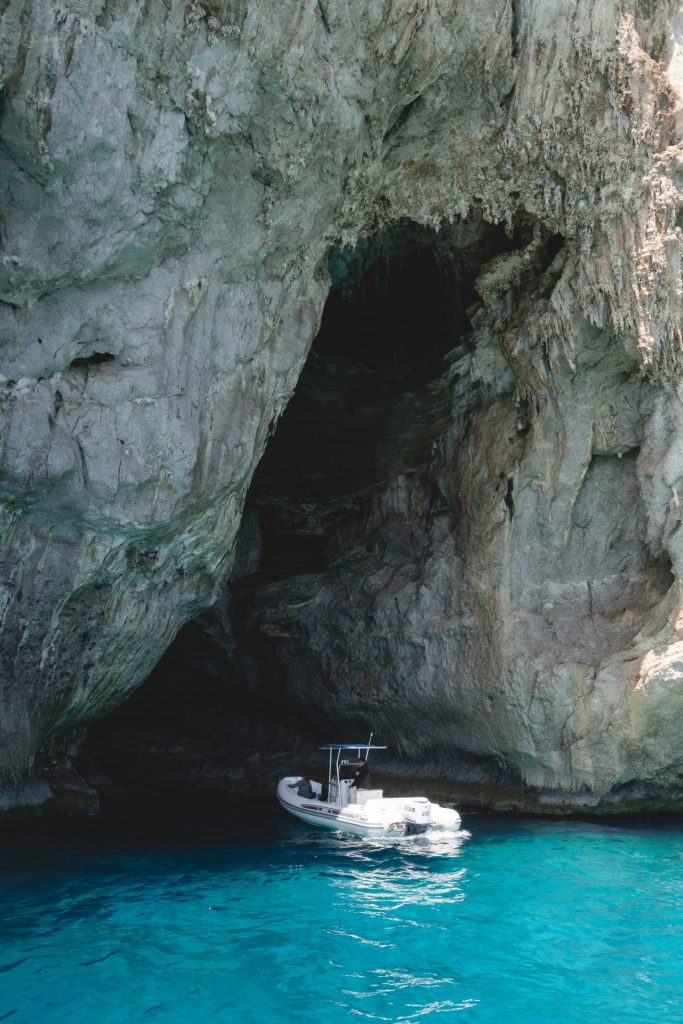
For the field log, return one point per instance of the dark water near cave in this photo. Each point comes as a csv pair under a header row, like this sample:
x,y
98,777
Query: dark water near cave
x,y
198,920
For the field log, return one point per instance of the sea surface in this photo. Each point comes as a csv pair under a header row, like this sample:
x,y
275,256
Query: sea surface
x,y
255,918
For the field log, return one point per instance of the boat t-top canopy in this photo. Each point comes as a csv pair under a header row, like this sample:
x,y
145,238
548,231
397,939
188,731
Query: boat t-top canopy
x,y
350,746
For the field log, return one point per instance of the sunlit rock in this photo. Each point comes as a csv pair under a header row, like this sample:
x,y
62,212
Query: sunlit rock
x,y
500,579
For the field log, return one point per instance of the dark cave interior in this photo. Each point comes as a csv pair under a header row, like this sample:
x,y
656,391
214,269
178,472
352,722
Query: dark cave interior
x,y
376,391
373,399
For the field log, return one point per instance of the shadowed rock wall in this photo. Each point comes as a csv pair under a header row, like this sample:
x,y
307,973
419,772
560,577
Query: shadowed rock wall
x,y
174,176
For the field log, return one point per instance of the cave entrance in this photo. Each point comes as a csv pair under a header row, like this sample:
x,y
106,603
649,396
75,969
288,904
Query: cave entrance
x,y
373,401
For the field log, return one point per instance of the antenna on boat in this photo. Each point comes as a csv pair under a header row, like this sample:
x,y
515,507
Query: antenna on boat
x,y
367,749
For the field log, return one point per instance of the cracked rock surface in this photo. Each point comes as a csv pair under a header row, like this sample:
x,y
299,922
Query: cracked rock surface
x,y
174,178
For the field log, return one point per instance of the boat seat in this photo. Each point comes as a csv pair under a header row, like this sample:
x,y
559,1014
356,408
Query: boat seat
x,y
361,796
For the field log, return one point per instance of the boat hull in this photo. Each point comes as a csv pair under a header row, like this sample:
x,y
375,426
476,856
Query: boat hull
x,y
376,817
324,815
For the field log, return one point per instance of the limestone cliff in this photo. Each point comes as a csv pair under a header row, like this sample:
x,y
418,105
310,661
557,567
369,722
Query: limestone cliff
x,y
175,177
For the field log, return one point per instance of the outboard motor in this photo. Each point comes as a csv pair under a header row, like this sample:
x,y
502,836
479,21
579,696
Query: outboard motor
x,y
417,815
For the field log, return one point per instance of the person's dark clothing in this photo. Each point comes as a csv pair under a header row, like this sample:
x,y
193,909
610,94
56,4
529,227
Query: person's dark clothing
x,y
305,788
361,777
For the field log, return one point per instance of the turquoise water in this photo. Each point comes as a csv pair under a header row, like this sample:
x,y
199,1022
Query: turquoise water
x,y
520,921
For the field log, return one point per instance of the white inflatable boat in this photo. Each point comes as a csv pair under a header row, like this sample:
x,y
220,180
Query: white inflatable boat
x,y
344,805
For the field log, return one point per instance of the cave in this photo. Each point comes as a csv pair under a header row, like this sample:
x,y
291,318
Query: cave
x,y
371,406
385,519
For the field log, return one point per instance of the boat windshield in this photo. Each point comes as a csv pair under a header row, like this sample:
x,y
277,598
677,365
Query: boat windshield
x,y
346,754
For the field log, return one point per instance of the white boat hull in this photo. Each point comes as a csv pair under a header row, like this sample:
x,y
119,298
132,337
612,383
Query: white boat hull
x,y
376,816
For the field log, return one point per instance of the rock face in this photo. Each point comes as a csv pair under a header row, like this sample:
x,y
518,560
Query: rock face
x,y
496,581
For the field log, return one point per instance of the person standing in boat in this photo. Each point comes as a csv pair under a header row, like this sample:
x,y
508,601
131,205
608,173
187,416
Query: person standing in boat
x,y
361,776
